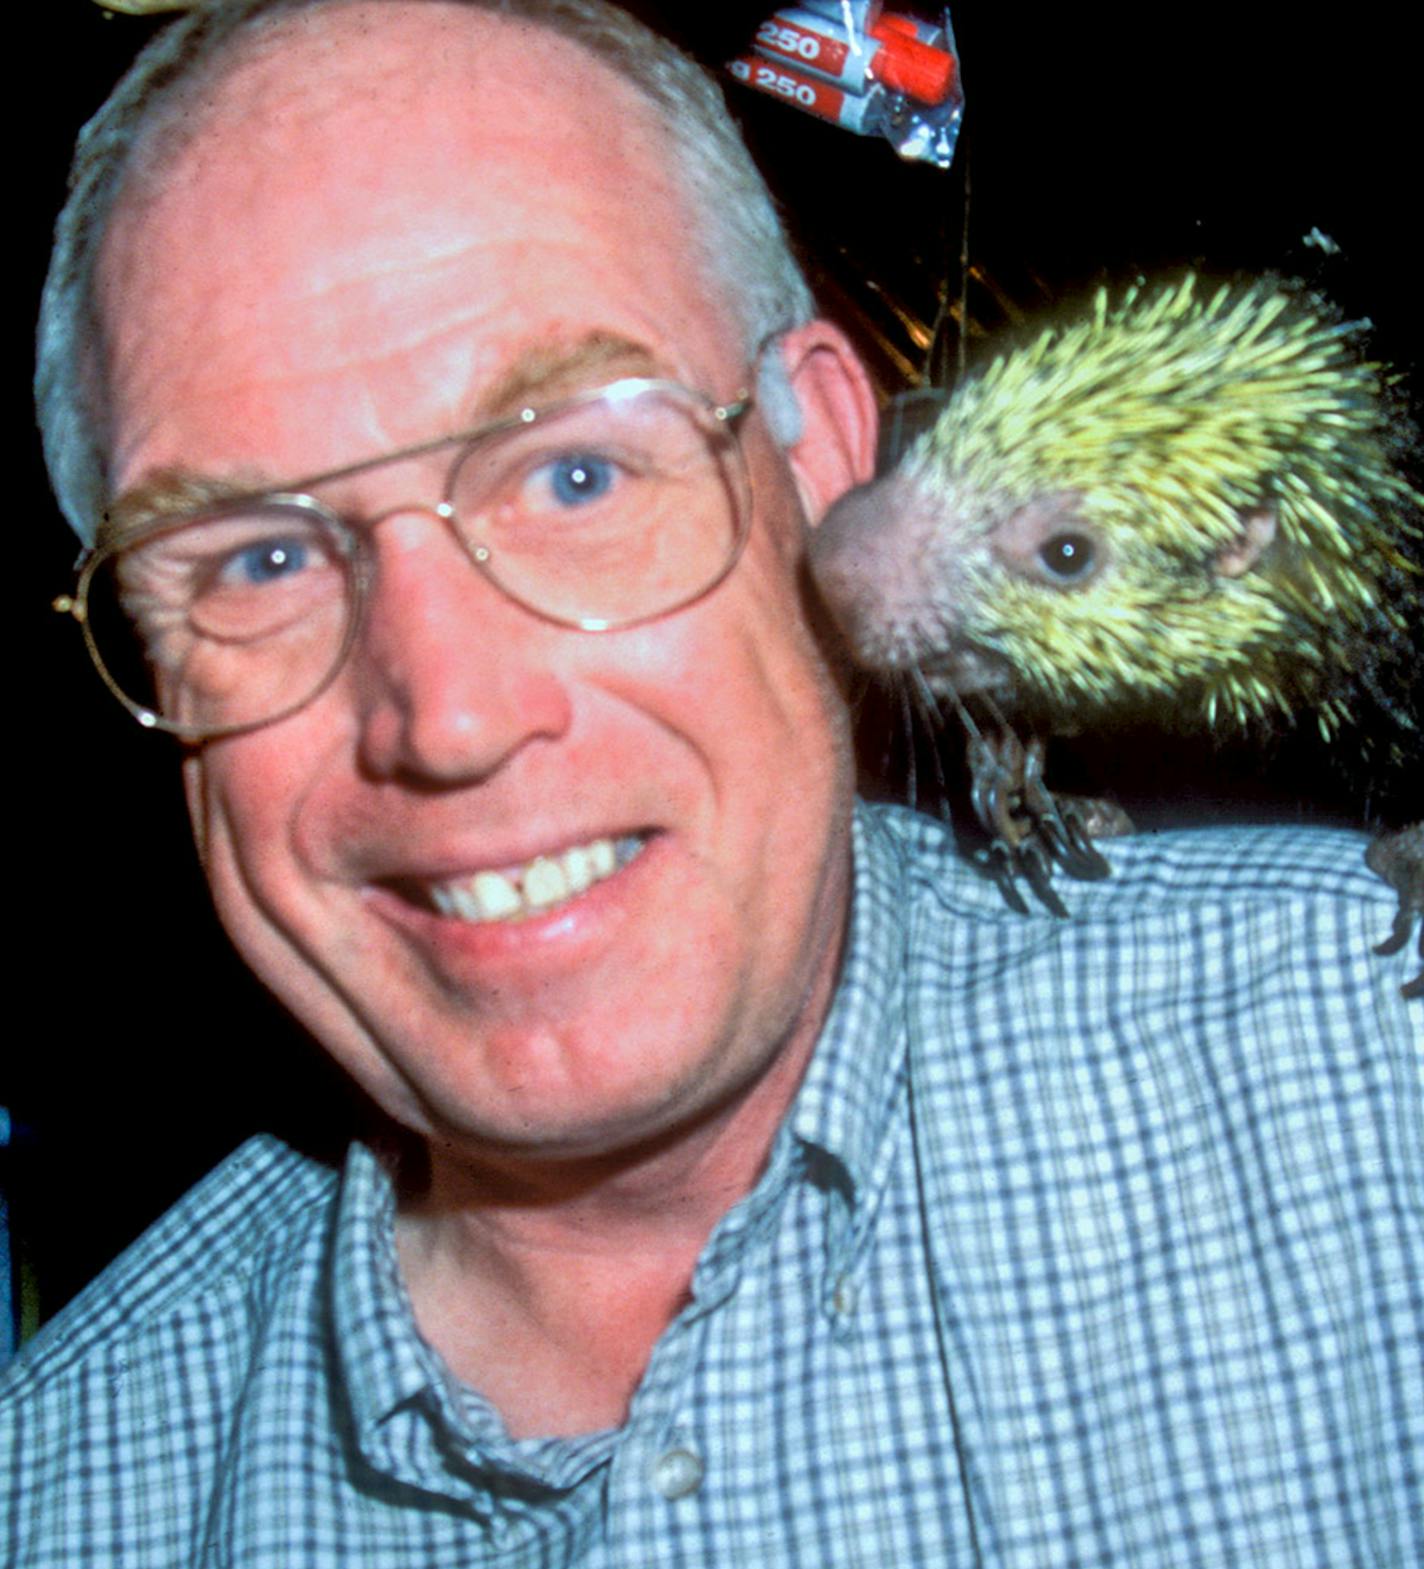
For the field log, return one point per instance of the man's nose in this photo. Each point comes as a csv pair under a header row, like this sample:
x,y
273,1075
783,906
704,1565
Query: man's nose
x,y
451,677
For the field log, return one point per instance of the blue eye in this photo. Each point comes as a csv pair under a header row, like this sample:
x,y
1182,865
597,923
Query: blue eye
x,y
267,561
580,477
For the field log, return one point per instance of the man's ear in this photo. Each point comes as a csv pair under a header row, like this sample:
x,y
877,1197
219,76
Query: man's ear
x,y
831,445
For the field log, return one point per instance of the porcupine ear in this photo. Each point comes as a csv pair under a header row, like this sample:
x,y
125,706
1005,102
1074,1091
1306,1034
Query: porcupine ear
x,y
1239,555
835,448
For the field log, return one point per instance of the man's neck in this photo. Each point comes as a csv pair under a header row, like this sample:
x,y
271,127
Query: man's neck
x,y
546,1286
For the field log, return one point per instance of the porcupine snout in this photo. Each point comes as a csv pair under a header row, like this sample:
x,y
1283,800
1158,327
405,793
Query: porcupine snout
x,y
878,559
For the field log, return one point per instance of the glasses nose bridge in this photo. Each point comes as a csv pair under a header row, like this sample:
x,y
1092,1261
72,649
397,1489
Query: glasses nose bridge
x,y
441,511
431,462
437,465
366,521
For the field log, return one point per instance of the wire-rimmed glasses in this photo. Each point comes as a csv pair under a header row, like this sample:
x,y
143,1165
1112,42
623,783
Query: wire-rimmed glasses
x,y
608,509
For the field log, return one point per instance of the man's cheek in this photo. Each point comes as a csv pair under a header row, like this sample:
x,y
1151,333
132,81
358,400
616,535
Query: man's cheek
x,y
244,844
194,794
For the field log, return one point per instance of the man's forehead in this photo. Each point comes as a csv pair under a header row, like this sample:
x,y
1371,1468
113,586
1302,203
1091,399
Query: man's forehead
x,y
425,70
362,138
468,235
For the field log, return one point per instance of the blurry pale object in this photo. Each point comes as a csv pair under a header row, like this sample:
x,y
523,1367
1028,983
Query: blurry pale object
x,y
145,7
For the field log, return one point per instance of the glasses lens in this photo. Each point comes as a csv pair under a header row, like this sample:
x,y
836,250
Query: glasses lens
x,y
608,510
226,620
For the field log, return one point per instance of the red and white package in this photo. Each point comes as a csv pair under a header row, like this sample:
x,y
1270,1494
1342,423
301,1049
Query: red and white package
x,y
864,67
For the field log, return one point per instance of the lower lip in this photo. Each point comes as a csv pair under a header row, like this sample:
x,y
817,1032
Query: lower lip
x,y
566,931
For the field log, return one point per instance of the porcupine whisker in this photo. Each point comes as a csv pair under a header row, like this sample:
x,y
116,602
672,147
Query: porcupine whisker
x,y
929,706
907,716
931,702
996,713
857,704
926,703
888,760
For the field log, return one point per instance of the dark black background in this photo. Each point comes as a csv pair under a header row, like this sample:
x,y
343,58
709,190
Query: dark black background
x,y
1100,141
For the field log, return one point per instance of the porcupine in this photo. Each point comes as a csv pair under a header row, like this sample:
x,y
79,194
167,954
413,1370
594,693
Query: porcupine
x,y
1189,507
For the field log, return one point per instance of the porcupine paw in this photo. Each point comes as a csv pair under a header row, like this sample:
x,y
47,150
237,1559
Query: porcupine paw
x,y
1399,859
1031,830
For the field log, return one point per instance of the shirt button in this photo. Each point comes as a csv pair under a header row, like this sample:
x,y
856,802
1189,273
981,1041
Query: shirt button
x,y
845,1297
677,1472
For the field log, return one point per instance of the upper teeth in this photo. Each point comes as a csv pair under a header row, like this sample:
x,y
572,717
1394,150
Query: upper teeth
x,y
547,880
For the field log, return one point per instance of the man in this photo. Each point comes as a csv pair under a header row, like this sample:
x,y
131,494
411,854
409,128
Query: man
x,y
762,1189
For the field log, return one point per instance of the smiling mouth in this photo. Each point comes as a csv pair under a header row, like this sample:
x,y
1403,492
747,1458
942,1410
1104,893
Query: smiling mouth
x,y
534,889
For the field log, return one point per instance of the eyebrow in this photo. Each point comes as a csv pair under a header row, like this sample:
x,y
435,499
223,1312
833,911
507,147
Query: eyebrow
x,y
560,370
540,374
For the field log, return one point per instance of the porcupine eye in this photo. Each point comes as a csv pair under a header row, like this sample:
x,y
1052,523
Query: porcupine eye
x,y
1067,557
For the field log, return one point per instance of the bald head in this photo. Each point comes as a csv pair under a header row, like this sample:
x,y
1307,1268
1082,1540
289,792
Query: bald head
x,y
219,75
284,221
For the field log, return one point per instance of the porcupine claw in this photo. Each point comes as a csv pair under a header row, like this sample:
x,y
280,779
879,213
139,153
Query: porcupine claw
x,y
1000,863
1029,830
1399,859
1057,825
989,795
995,772
1403,924
1034,864
1087,864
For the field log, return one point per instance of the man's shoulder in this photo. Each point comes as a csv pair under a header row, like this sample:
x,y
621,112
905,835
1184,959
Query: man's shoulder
x,y
1240,907
1164,869
246,1222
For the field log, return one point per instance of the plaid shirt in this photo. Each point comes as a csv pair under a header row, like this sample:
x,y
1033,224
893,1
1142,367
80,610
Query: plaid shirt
x,y
1086,1242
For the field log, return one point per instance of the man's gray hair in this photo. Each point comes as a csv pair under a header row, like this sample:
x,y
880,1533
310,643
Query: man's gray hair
x,y
738,232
